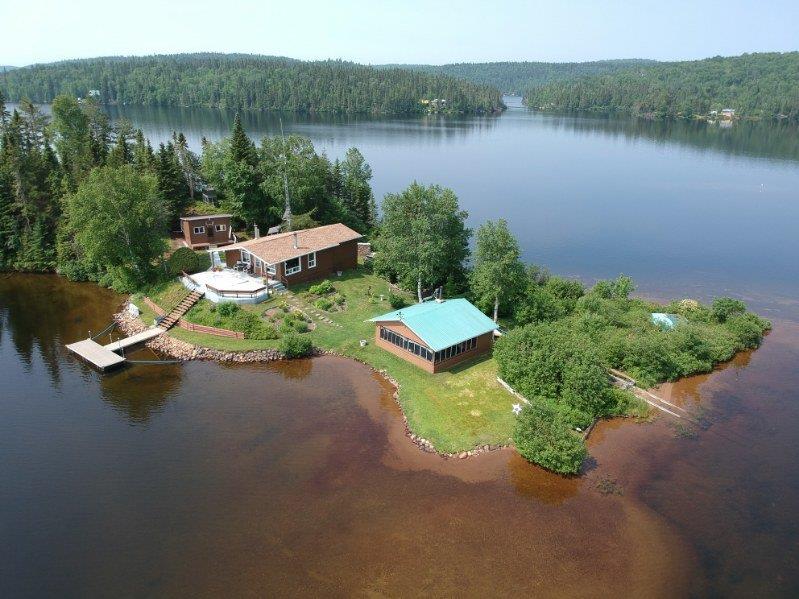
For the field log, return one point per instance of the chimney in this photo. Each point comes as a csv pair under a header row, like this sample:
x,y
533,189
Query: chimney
x,y
296,241
256,232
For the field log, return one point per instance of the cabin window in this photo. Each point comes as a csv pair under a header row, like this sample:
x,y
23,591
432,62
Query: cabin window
x,y
406,344
221,227
312,260
455,350
292,266
199,230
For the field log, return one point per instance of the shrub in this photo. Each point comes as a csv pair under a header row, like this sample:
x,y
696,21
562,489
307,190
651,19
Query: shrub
x,y
322,288
293,345
323,303
649,359
725,307
538,305
396,301
187,260
542,437
338,299
747,329
552,361
227,309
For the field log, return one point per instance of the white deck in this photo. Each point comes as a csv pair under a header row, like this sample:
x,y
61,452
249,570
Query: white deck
x,y
229,285
104,357
229,280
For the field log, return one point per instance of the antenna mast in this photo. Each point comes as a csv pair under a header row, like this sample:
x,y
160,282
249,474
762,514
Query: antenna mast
x,y
287,211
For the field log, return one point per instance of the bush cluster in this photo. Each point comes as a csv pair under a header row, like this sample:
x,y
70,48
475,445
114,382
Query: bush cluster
x,y
293,345
396,301
187,260
321,288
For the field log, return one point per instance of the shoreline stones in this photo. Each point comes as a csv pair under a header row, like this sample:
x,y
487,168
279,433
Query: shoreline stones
x,y
184,351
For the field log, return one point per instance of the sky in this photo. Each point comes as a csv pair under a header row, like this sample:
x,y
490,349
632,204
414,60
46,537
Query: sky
x,y
398,31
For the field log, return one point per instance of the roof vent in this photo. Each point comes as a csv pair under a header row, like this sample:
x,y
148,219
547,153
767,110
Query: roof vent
x,y
296,241
256,233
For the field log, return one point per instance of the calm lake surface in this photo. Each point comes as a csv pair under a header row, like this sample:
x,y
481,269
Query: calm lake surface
x,y
296,479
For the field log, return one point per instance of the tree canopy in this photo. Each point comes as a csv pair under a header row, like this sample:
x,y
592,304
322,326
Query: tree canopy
x,y
422,239
248,81
118,220
498,274
754,85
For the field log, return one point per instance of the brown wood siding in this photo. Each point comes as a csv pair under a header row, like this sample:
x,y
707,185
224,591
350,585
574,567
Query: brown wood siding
x,y
341,257
201,240
484,344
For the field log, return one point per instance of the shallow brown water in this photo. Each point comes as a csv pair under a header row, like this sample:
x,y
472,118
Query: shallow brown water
x,y
296,479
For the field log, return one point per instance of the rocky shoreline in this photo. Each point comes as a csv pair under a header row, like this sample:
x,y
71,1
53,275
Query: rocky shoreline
x,y
184,351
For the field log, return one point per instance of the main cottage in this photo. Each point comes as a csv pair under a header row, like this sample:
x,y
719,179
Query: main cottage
x,y
436,335
297,256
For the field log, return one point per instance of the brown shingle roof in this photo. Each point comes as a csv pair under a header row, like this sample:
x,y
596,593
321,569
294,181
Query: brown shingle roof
x,y
274,249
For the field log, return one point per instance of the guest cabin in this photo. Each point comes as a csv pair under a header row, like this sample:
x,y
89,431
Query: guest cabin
x,y
297,256
436,335
206,231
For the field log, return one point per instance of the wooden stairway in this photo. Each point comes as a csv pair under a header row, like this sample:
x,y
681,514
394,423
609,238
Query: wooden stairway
x,y
168,321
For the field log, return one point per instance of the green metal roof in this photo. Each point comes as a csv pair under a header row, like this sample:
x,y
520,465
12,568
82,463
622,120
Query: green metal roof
x,y
441,324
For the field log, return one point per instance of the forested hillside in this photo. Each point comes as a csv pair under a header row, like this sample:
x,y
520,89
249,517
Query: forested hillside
x,y
249,81
516,77
754,85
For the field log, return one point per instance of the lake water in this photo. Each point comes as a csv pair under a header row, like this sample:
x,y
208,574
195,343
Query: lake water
x,y
296,479
683,208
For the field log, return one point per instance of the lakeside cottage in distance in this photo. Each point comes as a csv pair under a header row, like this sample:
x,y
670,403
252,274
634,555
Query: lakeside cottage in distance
x,y
436,335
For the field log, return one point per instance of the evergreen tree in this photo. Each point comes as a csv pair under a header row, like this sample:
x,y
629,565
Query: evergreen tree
x,y
171,182
241,147
357,192
143,157
121,154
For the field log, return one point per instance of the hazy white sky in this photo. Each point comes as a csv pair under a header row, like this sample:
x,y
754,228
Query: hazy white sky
x,y
406,31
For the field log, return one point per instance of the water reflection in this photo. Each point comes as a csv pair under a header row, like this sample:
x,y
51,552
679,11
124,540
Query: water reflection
x,y
766,139
141,391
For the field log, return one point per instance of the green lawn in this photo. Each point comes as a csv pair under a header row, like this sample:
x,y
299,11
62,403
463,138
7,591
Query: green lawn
x,y
456,410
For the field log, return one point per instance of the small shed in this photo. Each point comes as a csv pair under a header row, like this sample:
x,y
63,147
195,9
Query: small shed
x,y
435,335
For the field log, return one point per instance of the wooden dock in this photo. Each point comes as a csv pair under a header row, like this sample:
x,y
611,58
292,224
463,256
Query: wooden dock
x,y
105,357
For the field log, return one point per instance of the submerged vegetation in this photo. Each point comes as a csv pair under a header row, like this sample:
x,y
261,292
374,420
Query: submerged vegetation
x,y
754,85
246,81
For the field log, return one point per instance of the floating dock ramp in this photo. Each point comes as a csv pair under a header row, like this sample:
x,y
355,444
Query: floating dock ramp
x,y
105,357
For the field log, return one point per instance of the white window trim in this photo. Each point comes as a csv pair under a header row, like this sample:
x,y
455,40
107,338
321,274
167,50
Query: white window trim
x,y
292,271
221,228
311,256
199,230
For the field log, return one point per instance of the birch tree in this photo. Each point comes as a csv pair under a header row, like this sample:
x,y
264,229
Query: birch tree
x,y
498,274
423,238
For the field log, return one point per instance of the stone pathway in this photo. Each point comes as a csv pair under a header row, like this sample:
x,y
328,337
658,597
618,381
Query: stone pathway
x,y
310,311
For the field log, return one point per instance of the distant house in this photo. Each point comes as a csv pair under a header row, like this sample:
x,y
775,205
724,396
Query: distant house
x,y
728,113
206,230
297,256
436,335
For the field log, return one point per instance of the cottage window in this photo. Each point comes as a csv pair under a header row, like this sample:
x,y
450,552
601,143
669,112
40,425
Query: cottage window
x,y
221,227
312,260
455,350
292,266
199,230
406,344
